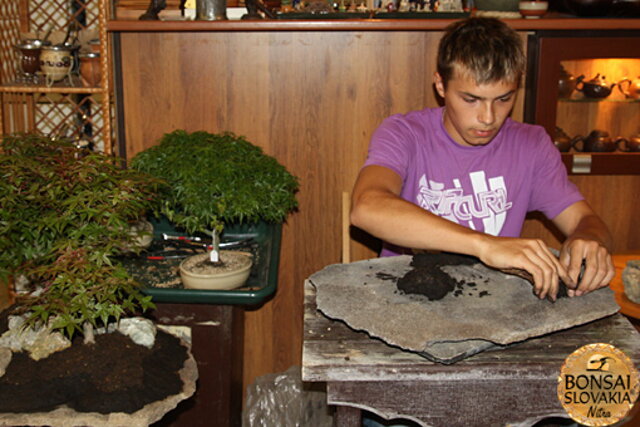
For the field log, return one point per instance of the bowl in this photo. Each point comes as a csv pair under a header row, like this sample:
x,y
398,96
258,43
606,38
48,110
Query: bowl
x,y
533,9
237,273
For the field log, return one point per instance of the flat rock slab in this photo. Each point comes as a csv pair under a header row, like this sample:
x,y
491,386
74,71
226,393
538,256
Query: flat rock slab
x,y
493,310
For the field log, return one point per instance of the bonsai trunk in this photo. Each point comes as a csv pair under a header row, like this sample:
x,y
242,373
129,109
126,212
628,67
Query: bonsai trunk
x,y
87,330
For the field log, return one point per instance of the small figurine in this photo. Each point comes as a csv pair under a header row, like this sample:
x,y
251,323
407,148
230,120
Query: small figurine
x,y
155,7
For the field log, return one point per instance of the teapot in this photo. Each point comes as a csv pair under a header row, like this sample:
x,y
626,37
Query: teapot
x,y
597,87
633,88
566,83
632,144
597,141
562,141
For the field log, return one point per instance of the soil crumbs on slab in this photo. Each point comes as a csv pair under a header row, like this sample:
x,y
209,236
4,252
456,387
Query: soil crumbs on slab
x,y
112,375
427,278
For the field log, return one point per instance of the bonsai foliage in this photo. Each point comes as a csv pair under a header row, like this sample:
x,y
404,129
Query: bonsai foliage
x,y
64,214
217,178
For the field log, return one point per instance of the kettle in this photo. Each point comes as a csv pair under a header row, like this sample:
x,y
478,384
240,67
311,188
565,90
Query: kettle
x,y
597,141
562,141
632,144
566,83
632,90
597,87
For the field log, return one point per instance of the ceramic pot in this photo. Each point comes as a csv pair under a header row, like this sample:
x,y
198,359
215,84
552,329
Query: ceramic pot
x,y
598,141
56,62
562,141
90,68
597,87
632,145
632,89
217,280
533,8
566,83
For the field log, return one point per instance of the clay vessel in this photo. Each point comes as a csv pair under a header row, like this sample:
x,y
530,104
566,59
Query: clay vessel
x,y
632,89
598,141
597,87
56,62
566,83
632,144
562,141
90,68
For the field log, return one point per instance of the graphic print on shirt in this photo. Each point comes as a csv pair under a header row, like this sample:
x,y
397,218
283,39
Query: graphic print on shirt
x,y
487,203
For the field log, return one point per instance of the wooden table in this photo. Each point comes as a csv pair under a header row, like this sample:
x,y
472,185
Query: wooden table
x,y
515,386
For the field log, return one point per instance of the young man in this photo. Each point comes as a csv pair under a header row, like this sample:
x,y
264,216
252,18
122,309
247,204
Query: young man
x,y
461,178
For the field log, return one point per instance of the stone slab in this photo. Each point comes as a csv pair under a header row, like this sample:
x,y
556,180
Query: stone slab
x,y
496,311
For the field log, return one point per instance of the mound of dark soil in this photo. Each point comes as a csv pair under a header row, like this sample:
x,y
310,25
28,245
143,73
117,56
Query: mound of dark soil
x,y
112,375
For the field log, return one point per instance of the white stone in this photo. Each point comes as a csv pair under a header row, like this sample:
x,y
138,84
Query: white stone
x,y
141,331
631,280
5,359
40,342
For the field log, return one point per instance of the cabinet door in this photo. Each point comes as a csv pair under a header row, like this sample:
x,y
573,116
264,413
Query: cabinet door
x,y
608,59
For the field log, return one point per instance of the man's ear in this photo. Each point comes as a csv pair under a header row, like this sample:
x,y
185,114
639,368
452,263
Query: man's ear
x,y
439,84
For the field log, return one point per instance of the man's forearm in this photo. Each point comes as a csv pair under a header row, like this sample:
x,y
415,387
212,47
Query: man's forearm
x,y
405,224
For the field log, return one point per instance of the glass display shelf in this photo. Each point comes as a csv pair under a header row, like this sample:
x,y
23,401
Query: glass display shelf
x,y
592,100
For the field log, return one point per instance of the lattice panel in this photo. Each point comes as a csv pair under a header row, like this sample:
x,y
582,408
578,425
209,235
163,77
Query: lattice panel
x,y
9,36
62,13
78,118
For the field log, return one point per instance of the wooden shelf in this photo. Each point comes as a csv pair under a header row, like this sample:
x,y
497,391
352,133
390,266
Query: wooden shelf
x,y
616,163
68,107
550,22
57,87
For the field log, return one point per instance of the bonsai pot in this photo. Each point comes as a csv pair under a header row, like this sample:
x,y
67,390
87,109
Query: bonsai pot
x,y
198,273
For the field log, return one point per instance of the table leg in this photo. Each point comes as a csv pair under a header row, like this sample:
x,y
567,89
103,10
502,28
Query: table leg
x,y
217,344
347,416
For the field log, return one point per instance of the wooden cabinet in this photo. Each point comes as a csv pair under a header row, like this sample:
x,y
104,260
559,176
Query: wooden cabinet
x,y
612,55
310,94
72,107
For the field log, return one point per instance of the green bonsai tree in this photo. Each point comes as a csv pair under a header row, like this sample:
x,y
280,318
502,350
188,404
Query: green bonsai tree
x,y
215,179
65,213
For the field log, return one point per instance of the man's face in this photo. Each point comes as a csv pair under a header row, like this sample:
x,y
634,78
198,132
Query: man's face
x,y
475,113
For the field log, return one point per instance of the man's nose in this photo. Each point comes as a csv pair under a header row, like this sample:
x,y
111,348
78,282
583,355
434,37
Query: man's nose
x,y
487,115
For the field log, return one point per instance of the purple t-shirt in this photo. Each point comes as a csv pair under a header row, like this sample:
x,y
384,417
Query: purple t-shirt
x,y
487,188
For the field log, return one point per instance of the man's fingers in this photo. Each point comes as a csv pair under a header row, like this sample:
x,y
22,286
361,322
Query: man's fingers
x,y
544,269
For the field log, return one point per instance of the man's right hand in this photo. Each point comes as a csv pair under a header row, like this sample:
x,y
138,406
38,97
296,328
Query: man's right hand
x,y
531,255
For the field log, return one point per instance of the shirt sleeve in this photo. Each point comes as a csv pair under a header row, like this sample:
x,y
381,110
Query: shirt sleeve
x,y
552,191
390,146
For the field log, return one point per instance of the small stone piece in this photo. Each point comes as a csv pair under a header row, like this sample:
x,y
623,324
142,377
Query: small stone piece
x,y
141,331
5,359
631,280
40,343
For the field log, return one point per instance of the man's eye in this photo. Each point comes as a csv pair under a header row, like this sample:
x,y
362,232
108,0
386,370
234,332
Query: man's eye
x,y
469,100
505,99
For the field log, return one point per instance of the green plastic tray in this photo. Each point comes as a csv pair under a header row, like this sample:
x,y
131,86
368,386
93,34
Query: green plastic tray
x,y
262,282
